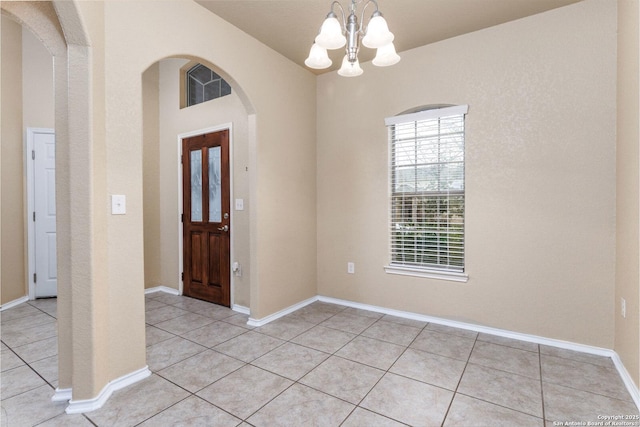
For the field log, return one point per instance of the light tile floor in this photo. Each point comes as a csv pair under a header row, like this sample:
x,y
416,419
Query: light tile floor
x,y
323,365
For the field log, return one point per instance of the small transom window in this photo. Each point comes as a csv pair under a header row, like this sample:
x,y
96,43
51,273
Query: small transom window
x,y
204,85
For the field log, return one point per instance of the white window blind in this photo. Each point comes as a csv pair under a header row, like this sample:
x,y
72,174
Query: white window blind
x,y
427,189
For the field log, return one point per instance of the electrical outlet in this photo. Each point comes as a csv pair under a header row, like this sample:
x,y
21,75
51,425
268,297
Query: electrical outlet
x,y
351,268
623,307
237,269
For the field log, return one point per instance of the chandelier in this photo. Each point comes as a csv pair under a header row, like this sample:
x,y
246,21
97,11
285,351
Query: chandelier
x,y
334,35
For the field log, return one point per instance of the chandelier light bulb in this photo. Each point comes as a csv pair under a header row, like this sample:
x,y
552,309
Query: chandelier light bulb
x,y
378,33
330,36
386,55
318,58
350,69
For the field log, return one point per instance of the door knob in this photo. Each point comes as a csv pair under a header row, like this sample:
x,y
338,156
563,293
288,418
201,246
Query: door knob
x,y
225,228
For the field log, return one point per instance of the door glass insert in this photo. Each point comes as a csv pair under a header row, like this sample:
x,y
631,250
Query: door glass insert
x,y
196,185
215,186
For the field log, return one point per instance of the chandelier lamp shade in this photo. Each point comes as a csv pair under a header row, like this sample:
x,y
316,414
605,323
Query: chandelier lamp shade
x,y
335,35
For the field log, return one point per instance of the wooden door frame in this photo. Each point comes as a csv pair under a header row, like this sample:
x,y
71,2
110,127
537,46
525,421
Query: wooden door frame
x,y
181,136
29,168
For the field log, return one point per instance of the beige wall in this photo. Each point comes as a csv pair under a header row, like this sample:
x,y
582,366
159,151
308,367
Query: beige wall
x,y
27,92
540,175
627,329
13,273
151,191
37,87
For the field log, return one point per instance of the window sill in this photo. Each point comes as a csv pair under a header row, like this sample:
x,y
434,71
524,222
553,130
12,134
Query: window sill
x,y
426,273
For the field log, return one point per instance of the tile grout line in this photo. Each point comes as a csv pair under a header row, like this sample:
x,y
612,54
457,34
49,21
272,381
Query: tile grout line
x,y
34,370
24,361
293,382
455,392
544,415
385,373
31,368
499,370
357,405
46,383
194,394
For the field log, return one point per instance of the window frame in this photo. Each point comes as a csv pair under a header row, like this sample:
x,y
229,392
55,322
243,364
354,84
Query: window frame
x,y
215,79
445,272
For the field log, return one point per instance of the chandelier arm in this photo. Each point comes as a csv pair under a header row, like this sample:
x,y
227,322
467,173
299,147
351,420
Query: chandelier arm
x,y
360,30
344,17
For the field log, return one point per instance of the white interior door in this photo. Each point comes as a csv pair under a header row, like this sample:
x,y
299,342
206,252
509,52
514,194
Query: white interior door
x,y
44,214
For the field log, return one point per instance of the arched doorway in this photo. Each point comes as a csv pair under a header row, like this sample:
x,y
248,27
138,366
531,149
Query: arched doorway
x,y
165,120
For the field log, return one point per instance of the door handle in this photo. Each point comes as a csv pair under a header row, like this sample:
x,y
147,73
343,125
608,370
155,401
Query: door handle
x,y
225,228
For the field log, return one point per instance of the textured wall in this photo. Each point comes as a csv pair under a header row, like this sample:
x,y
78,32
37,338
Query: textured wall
x,y
151,192
540,175
627,331
13,273
27,92
37,88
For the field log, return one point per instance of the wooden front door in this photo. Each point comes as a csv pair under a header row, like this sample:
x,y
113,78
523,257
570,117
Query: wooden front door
x,y
205,177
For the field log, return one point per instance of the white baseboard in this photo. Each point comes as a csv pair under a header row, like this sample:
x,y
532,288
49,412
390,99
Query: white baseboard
x,y
473,327
14,303
281,313
87,405
241,309
627,379
62,395
634,391
165,289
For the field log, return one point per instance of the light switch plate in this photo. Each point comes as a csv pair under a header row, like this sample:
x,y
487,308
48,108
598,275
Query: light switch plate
x,y
118,204
239,204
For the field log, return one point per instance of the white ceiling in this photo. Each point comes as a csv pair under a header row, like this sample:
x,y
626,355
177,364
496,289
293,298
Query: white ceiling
x,y
289,26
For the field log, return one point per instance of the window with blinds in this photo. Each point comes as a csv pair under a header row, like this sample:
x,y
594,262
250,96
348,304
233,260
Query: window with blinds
x,y
427,189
